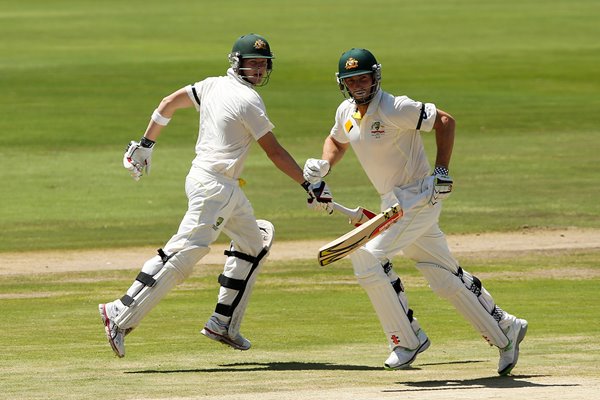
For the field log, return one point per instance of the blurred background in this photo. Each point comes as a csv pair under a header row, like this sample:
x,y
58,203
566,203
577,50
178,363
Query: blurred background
x,y
80,79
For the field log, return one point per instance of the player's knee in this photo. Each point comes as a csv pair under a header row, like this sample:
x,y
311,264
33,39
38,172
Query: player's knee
x,y
441,281
365,263
183,261
267,233
368,269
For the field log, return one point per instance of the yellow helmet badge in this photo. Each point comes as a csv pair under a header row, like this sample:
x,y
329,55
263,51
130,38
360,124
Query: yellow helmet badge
x,y
260,44
351,63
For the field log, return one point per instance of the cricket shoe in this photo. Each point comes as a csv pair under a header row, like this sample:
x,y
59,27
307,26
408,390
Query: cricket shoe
x,y
402,357
114,334
510,354
217,330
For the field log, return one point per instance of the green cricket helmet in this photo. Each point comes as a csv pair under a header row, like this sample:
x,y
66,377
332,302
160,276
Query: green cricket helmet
x,y
251,46
358,62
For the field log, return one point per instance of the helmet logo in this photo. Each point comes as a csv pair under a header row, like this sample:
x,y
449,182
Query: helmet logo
x,y
260,45
351,63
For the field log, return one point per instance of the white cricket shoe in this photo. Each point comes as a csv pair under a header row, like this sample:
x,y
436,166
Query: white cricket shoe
x,y
402,357
510,354
114,334
217,330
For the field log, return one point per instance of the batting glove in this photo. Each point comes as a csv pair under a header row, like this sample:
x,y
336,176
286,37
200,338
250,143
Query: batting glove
x,y
138,157
442,185
319,197
315,170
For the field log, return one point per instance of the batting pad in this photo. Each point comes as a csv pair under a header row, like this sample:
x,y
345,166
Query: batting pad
x,y
392,315
166,275
238,278
449,286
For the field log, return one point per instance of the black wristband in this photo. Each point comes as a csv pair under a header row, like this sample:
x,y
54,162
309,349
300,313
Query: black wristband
x,y
305,185
147,143
440,170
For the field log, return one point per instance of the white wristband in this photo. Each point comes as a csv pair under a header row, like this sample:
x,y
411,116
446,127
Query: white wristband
x,y
159,119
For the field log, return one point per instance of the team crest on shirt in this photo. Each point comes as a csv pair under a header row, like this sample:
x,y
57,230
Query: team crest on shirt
x,y
351,63
377,130
260,44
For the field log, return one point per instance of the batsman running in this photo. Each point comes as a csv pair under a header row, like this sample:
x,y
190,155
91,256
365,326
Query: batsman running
x,y
232,117
385,133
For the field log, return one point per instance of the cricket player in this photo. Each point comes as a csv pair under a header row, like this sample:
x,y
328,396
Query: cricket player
x,y
232,117
385,133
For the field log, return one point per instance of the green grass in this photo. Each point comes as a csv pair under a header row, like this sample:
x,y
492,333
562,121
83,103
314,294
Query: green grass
x,y
80,79
300,320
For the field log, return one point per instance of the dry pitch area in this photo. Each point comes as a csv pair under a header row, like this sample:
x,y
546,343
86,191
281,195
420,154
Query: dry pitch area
x,y
492,244
560,384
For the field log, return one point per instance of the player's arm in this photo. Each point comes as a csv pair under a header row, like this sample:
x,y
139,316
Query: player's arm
x,y
165,110
444,126
333,151
138,155
319,196
444,138
280,157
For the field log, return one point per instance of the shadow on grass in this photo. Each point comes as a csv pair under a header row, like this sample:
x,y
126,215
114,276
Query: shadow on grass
x,y
496,382
268,366
412,366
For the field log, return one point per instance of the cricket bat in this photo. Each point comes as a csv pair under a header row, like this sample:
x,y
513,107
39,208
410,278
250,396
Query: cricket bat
x,y
358,215
364,232
360,235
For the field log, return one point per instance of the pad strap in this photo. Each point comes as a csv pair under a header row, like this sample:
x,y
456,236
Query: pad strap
x,y
238,284
146,279
163,256
127,300
231,283
240,255
143,278
475,287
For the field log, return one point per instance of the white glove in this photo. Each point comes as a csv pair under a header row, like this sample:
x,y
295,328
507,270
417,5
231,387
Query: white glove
x,y
442,185
315,170
319,197
136,159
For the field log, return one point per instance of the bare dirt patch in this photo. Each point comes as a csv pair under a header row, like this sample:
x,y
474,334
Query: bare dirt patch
x,y
491,244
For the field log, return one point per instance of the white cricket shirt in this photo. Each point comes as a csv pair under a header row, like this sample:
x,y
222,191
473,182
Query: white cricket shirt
x,y
387,139
232,116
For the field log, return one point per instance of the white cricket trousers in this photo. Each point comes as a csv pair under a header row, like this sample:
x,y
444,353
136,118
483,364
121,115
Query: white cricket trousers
x,y
419,237
416,234
216,204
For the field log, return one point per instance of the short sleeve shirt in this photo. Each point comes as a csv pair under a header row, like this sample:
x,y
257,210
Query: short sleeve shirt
x,y
232,116
387,139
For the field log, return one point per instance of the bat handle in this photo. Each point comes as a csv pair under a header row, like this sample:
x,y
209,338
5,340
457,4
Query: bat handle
x,y
350,213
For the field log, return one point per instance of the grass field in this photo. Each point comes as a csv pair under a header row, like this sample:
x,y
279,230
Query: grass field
x,y
79,79
53,344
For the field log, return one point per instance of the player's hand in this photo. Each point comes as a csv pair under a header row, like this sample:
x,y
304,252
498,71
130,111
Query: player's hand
x,y
315,170
319,197
442,185
137,159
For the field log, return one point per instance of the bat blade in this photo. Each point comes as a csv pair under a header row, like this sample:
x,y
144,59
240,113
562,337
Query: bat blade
x,y
346,244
